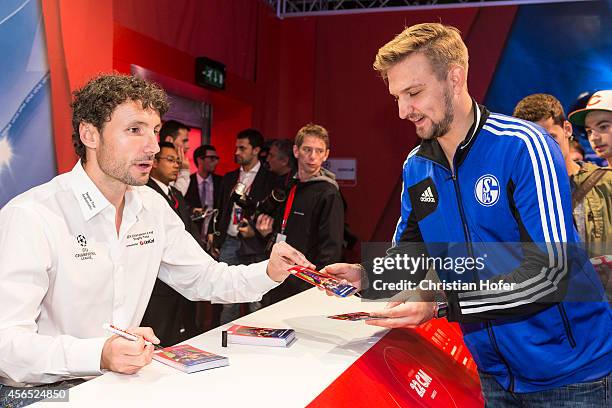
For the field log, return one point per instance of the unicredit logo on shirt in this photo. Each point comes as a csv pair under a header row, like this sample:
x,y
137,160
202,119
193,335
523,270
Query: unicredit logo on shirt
x,y
140,238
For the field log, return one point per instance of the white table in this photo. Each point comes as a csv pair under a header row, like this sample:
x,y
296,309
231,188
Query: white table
x,y
257,375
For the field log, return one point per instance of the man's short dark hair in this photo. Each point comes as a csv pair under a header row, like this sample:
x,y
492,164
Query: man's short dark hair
x,y
171,128
201,151
537,107
96,101
285,151
255,137
167,145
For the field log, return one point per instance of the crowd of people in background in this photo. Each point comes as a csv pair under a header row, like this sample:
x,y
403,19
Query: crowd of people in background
x,y
310,209
279,192
591,184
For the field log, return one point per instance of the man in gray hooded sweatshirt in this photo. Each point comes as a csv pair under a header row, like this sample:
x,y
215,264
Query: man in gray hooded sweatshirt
x,y
312,218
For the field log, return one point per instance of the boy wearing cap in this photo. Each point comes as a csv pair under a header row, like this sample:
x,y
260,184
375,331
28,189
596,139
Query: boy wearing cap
x,y
596,118
596,182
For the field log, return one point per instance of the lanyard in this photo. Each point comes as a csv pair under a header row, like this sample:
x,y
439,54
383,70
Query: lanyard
x,y
288,208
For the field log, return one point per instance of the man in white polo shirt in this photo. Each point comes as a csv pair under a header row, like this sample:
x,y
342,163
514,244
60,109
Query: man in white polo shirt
x,y
86,248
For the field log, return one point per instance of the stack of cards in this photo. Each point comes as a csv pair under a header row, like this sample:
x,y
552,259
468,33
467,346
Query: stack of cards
x,y
260,336
189,359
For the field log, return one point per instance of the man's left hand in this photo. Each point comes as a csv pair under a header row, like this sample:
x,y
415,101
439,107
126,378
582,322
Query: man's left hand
x,y
282,258
403,314
184,160
245,230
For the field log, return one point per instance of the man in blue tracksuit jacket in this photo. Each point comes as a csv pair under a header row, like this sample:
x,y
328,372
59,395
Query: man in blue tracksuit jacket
x,y
481,179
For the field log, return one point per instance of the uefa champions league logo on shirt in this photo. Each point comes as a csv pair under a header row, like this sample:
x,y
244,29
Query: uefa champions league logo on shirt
x,y
81,240
487,190
86,253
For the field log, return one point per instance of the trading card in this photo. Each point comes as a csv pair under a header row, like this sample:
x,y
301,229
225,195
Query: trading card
x,y
324,281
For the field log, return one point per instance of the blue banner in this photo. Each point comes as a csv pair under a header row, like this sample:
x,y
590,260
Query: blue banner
x,y
560,49
27,151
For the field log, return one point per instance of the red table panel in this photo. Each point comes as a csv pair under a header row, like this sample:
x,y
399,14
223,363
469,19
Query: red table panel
x,y
429,366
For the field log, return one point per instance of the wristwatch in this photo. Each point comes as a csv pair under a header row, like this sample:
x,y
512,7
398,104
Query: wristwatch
x,y
441,310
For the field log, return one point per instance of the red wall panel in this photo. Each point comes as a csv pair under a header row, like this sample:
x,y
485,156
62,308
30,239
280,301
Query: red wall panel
x,y
71,37
266,107
298,49
175,71
486,40
60,90
219,29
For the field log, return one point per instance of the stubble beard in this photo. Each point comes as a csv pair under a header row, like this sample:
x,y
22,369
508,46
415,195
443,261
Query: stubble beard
x,y
439,129
242,161
119,170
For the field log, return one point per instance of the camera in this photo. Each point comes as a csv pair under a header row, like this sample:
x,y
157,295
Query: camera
x,y
201,215
252,209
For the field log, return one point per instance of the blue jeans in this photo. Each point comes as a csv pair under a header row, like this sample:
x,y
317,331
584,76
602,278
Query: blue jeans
x,y
596,394
228,254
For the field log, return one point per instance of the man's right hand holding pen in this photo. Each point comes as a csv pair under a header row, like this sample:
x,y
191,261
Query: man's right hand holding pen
x,y
128,351
126,356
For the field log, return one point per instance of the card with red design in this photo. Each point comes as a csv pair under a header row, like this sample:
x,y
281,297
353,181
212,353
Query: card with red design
x,y
356,316
324,281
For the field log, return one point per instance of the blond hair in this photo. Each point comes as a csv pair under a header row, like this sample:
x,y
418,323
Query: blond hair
x,y
312,130
441,44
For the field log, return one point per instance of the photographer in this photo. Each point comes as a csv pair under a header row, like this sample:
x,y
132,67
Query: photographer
x,y
312,217
228,242
203,189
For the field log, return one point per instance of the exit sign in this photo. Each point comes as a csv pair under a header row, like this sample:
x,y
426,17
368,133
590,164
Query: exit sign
x,y
210,73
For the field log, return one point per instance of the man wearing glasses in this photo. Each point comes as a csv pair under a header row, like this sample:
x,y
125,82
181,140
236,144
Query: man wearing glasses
x,y
171,316
203,188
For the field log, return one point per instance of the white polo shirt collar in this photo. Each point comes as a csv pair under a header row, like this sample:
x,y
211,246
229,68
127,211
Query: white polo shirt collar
x,y
92,201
